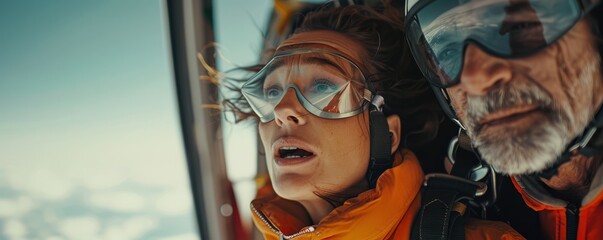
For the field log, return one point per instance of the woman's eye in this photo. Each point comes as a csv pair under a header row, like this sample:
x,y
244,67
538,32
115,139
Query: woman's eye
x,y
272,93
324,86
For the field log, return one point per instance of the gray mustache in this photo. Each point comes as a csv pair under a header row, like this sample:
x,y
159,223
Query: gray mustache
x,y
505,97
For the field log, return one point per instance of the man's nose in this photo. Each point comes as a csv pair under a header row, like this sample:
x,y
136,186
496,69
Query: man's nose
x,y
481,71
289,110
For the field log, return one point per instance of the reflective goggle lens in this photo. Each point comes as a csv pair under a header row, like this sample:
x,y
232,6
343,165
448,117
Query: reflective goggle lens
x,y
328,85
439,31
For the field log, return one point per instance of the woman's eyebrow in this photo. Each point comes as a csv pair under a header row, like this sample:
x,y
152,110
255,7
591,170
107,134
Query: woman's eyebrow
x,y
273,66
324,61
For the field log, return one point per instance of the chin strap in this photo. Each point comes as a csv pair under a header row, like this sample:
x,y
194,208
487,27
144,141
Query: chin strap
x,y
589,143
380,158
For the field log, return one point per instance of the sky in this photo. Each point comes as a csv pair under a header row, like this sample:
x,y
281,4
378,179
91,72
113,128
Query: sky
x,y
90,141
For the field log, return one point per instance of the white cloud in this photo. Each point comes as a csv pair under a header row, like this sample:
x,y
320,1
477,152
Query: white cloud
x,y
14,229
161,172
120,201
114,232
186,236
174,202
104,178
137,226
40,183
84,227
54,238
133,228
15,208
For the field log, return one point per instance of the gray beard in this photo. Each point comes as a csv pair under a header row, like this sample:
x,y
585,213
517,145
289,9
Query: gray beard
x,y
537,148
525,152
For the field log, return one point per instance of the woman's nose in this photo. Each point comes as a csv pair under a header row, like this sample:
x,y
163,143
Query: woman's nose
x,y
481,71
289,111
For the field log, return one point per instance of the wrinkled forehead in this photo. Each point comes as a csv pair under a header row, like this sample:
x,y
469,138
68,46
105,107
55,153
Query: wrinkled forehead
x,y
327,40
320,60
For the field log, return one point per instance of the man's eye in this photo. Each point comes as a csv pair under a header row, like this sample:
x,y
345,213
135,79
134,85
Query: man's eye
x,y
447,53
272,93
323,86
522,26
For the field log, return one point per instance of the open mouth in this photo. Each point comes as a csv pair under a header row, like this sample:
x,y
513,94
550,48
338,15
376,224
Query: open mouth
x,y
290,152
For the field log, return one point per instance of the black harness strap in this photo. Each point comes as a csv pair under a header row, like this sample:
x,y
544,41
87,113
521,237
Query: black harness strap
x,y
438,217
445,197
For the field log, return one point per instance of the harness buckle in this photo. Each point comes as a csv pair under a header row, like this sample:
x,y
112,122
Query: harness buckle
x,y
442,180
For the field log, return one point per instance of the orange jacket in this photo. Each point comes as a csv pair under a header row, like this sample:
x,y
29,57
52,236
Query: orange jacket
x,y
385,212
556,218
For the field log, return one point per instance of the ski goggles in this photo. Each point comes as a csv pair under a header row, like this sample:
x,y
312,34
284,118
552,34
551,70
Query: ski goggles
x,y
327,84
438,31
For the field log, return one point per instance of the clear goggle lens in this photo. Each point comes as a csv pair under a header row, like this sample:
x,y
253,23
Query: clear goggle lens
x,y
438,31
327,84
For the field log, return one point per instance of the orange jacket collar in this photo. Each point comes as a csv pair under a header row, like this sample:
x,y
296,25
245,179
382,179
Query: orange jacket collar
x,y
373,214
552,212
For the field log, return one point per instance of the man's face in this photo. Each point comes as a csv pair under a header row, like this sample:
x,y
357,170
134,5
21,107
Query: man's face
x,y
522,113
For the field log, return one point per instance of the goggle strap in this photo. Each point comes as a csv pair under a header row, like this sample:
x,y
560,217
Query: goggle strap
x,y
380,139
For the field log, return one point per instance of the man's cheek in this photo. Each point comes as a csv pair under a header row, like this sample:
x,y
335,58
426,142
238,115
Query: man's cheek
x,y
458,106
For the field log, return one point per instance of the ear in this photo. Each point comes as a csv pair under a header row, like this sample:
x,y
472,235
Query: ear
x,y
395,130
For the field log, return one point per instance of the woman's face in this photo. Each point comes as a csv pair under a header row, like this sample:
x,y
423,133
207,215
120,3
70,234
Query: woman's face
x,y
307,154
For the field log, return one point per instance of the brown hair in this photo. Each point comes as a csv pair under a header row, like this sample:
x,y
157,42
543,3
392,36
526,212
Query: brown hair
x,y
394,74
